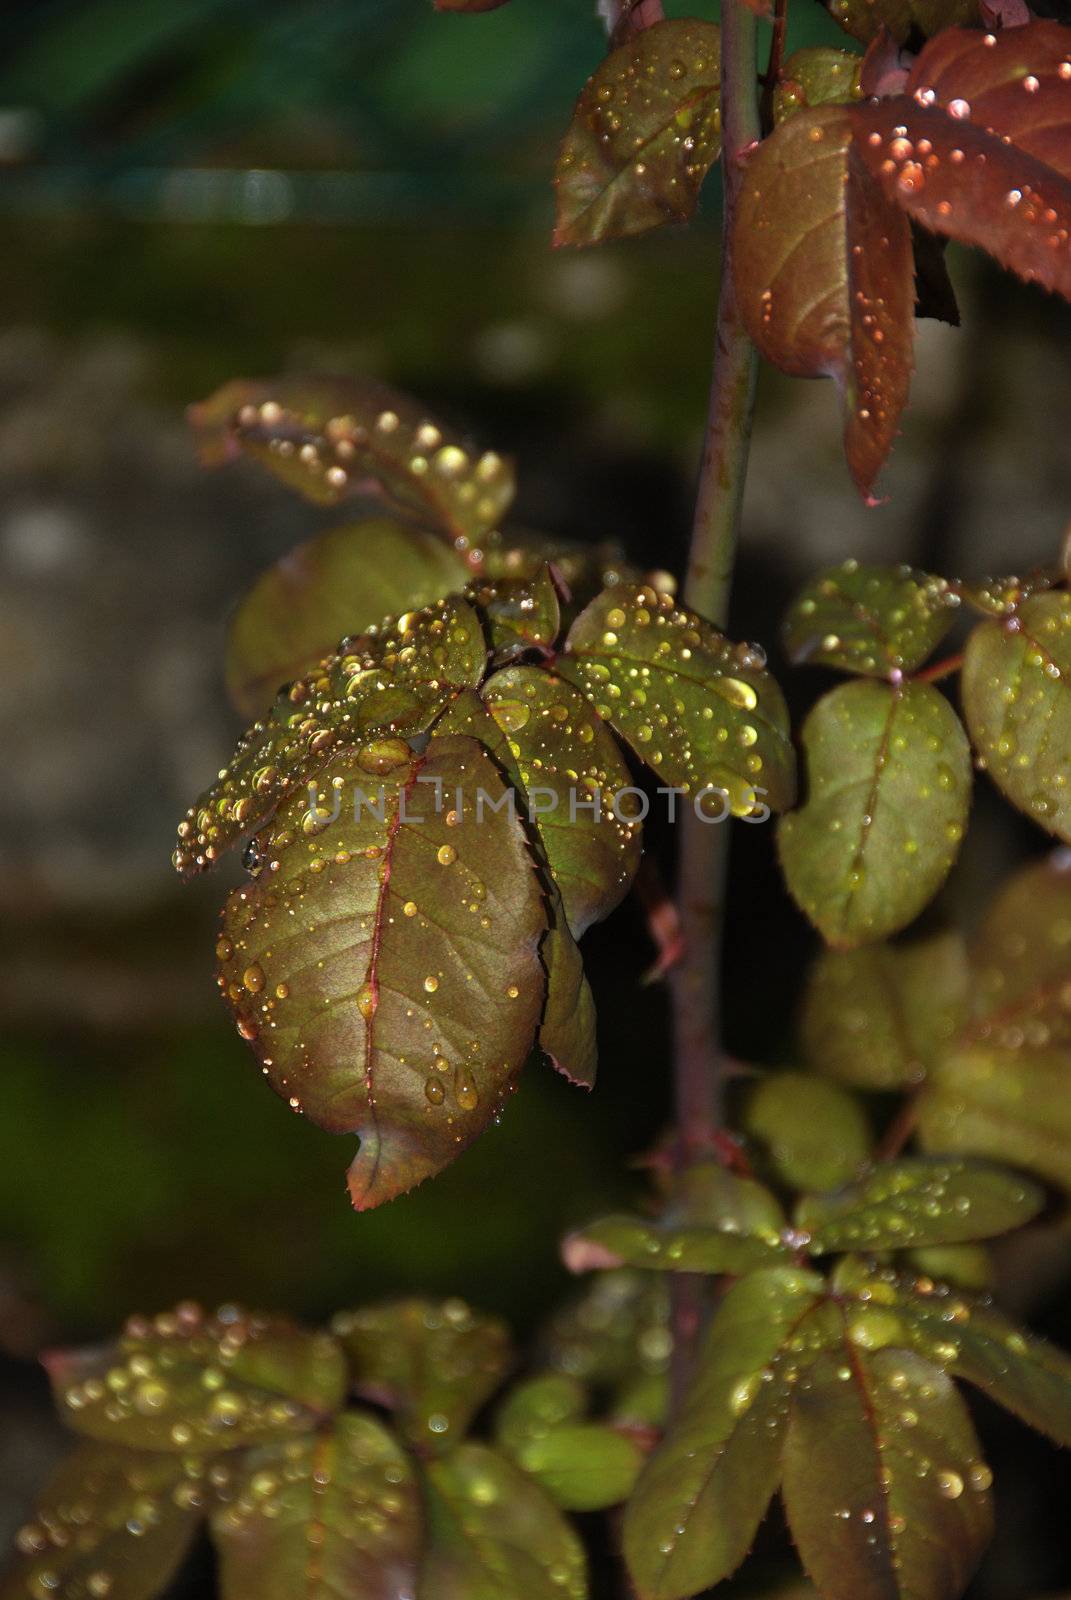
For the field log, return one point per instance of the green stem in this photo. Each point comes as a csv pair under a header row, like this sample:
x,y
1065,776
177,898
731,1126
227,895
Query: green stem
x,y
695,982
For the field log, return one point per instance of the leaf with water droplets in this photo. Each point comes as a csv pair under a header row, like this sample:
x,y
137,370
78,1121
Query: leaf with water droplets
x,y
965,1266
190,1383
432,1363
818,75
392,681
522,613
1016,685
567,1028
342,582
812,1133
571,773
109,1523
336,1513
495,1534
386,970
645,132
868,619
977,1343
999,597
879,1017
700,711
702,1495
977,148
1002,1090
535,1405
884,1485
333,438
918,1201
825,276
889,785
624,1241
864,19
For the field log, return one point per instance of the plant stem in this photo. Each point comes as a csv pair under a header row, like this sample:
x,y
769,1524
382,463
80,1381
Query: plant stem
x,y
695,988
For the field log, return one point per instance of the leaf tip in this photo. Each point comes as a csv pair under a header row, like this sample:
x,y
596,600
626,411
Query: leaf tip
x,y
581,1254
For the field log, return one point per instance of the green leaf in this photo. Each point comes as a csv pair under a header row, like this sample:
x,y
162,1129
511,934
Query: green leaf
x,y
708,1195
567,1028
109,1522
388,682
824,276
536,1405
918,1201
879,1017
386,972
698,710
645,132
815,76
189,1383
1000,597
333,438
1003,1090
889,783
863,18
979,1344
342,582
433,1363
614,1332
1018,706
815,1135
623,1241
583,1466
336,1513
885,1489
522,613
571,773
869,620
703,1493
495,1534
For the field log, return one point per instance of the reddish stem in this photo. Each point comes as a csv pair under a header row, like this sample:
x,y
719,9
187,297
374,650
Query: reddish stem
x,y
773,64
939,670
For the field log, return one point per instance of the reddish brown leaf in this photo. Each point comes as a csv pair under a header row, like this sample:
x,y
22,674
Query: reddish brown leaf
x,y
824,276
979,147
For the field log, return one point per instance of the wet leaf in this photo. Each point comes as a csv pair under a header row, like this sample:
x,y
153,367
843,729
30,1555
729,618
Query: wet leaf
x,y
977,1343
522,613
964,1266
919,1201
386,973
332,438
615,1331
879,1017
977,149
869,620
645,132
999,597
341,582
700,711
433,1363
864,18
825,276
572,773
1017,703
814,1134
706,1194
815,76
388,682
702,1495
332,1514
584,569
495,1534
190,1383
1003,1090
109,1522
584,1466
889,784
624,1241
885,1488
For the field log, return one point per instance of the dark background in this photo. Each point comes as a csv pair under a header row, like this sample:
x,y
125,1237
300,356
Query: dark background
x,y
194,191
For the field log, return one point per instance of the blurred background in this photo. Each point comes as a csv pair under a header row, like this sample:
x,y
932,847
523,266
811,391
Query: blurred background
x,y
219,188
